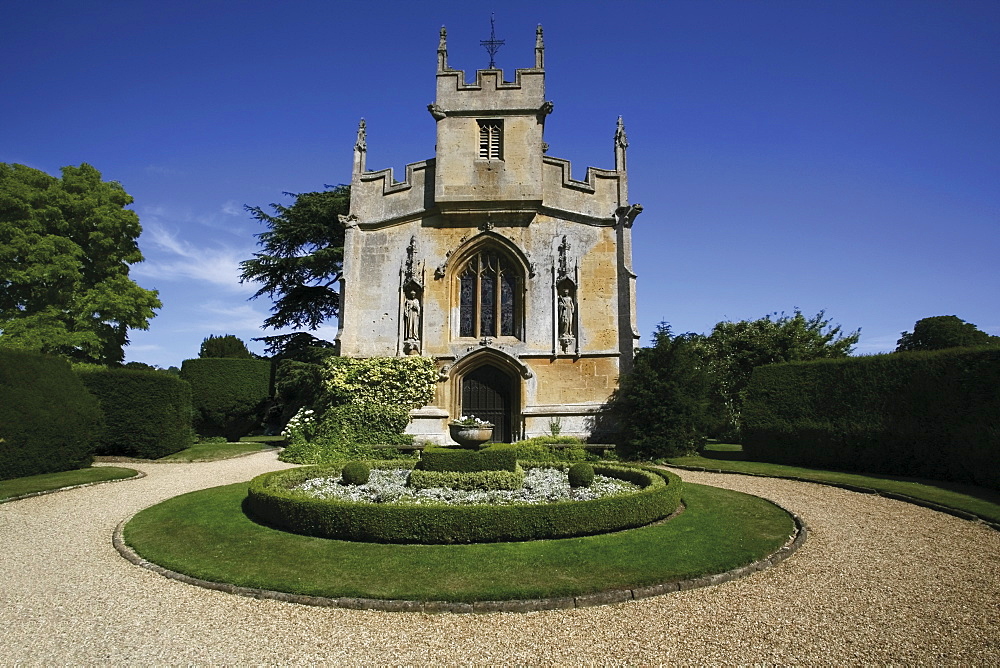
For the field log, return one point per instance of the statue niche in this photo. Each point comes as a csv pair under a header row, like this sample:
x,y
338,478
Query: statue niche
x,y
566,271
566,303
412,292
411,318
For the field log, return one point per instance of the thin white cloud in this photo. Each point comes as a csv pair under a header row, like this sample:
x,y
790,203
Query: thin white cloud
x,y
172,258
144,348
232,208
155,211
227,318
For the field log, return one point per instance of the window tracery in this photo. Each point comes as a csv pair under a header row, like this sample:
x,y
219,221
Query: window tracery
x,y
489,300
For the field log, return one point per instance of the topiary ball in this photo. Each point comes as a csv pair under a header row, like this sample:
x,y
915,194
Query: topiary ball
x,y
355,473
581,474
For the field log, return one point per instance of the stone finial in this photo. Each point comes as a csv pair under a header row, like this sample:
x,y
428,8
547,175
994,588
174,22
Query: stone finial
x,y
564,270
443,51
539,48
362,143
621,143
361,148
621,140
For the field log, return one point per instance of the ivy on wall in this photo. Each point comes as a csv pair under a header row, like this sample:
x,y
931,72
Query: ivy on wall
x,y
400,381
359,402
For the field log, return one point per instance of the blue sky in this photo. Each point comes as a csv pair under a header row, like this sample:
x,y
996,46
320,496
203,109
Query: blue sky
x,y
822,155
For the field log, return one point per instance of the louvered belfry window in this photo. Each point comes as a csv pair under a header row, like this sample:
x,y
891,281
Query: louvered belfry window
x,y
491,140
488,297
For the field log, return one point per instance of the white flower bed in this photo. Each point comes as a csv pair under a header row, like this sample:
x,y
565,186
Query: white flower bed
x,y
541,485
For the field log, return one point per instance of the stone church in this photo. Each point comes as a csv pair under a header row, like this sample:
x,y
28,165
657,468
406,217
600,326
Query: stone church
x,y
492,260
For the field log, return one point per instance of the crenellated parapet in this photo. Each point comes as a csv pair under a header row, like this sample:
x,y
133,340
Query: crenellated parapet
x,y
377,198
592,200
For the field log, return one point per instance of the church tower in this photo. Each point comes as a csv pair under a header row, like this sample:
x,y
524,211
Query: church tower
x,y
516,279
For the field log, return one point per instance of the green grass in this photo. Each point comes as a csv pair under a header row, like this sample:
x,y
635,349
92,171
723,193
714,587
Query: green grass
x,y
210,452
205,534
50,481
978,501
723,447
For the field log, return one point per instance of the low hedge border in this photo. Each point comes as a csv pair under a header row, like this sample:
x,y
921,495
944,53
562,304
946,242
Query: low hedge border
x,y
476,480
271,501
793,543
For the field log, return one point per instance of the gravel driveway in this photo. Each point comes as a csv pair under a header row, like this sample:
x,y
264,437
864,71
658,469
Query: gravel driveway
x,y
877,581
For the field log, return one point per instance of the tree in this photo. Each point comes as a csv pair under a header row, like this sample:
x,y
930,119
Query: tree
x,y
734,349
662,406
944,331
302,257
227,345
300,346
66,245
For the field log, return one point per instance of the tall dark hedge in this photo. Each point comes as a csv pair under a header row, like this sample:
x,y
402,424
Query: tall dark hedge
x,y
229,395
48,420
662,408
926,414
147,414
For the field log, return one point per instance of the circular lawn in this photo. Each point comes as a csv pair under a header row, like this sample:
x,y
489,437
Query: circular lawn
x,y
208,536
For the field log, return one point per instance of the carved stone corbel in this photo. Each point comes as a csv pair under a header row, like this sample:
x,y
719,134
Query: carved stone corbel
x,y
349,220
437,111
625,215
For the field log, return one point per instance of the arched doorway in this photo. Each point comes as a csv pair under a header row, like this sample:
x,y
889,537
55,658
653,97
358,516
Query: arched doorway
x,y
489,394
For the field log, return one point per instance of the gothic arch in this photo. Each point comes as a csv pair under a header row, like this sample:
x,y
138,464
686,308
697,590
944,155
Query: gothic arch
x,y
488,286
498,377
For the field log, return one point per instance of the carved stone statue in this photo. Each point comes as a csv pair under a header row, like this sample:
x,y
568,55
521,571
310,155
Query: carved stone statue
x,y
411,322
567,308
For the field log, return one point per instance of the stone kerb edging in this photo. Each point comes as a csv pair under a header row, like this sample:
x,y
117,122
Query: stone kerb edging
x,y
948,510
480,607
138,474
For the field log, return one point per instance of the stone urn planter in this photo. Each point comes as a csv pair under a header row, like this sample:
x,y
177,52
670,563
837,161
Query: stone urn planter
x,y
471,436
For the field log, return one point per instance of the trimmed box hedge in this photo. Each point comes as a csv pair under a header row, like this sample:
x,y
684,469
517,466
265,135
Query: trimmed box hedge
x,y
48,420
924,414
147,414
466,461
228,395
271,500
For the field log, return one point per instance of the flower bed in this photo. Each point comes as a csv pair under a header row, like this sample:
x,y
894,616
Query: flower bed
x,y
277,499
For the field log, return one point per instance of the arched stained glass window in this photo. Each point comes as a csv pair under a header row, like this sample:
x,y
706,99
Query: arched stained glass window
x,y
488,297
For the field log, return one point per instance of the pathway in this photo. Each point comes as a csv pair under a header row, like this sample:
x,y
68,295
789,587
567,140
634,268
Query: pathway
x,y
877,581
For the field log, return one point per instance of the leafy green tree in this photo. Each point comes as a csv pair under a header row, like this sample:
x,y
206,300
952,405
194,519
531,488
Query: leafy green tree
x,y
300,346
301,259
944,331
227,345
662,407
66,245
734,349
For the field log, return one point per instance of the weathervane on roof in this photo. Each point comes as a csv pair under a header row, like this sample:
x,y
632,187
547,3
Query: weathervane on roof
x,y
492,45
